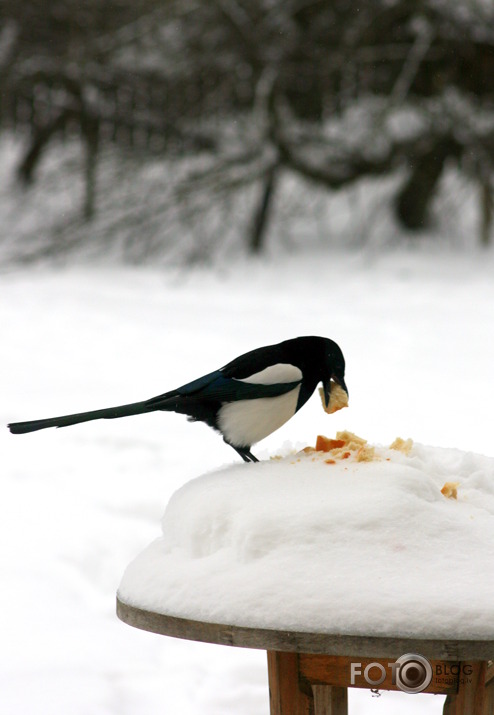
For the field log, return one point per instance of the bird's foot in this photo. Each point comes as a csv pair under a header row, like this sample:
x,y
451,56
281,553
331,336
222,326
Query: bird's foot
x,y
245,453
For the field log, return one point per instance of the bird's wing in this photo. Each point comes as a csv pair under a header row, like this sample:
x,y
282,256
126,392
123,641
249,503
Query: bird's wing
x,y
255,361
218,387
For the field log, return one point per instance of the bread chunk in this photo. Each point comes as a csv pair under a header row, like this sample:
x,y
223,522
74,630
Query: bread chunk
x,y
402,445
338,398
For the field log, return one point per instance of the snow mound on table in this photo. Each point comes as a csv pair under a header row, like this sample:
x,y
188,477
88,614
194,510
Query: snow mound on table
x,y
350,547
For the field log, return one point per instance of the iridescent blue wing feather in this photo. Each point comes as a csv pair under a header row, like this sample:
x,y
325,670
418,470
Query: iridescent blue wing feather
x,y
216,387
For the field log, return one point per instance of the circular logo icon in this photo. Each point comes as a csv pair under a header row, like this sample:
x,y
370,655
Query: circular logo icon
x,y
413,673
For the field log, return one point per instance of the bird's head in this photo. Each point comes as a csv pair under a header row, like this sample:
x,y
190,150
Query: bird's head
x,y
333,368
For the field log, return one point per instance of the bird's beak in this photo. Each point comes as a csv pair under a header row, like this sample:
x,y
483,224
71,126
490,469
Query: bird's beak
x,y
327,387
341,382
327,392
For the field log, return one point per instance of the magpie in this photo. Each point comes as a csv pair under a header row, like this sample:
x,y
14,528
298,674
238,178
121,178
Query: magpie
x,y
245,401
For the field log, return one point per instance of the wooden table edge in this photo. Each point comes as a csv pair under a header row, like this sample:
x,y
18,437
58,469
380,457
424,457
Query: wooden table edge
x,y
302,642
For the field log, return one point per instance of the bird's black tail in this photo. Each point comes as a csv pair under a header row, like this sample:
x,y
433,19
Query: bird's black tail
x,y
135,408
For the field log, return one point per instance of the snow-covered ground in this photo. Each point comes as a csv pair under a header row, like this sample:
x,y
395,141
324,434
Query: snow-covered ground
x,y
416,327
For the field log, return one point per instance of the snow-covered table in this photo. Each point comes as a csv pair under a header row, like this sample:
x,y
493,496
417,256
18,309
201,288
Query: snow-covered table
x,y
332,564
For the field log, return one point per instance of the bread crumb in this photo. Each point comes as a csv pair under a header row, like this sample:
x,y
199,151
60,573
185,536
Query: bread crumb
x,y
346,444
366,454
402,445
351,440
450,490
325,444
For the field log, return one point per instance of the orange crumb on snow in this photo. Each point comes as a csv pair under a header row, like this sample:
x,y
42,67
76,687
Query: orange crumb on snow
x,y
450,490
325,444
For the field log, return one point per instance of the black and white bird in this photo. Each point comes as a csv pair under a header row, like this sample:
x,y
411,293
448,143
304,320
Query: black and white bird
x,y
246,400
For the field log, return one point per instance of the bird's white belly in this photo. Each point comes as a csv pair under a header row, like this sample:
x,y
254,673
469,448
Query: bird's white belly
x,y
246,422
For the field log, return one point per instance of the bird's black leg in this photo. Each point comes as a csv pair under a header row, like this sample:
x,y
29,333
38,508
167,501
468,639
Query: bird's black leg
x,y
243,455
246,454
249,454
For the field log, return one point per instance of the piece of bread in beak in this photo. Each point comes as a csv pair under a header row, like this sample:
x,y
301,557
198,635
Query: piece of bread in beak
x,y
338,398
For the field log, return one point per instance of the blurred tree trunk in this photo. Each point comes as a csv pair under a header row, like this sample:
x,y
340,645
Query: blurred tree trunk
x,y
40,137
263,210
414,198
90,133
486,211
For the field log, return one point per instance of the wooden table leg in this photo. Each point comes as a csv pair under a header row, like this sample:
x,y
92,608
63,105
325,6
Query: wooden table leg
x,y
471,698
285,695
330,700
489,689
290,694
